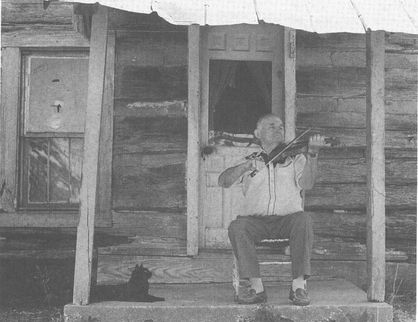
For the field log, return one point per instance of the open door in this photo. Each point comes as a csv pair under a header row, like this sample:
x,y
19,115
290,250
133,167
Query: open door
x,y
236,74
241,79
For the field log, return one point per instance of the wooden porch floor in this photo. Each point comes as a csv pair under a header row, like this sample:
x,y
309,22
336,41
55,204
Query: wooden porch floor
x,y
332,300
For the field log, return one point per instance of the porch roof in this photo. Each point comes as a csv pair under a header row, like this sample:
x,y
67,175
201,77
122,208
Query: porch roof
x,y
320,16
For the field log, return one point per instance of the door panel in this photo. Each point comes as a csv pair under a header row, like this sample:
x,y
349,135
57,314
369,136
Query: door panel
x,y
221,205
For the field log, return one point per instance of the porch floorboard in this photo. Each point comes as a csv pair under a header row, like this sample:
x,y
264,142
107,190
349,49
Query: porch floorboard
x,y
332,300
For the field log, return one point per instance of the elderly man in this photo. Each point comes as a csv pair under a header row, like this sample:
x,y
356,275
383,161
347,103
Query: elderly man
x,y
273,208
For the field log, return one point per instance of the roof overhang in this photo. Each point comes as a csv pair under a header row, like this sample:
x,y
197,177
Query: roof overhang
x,y
320,16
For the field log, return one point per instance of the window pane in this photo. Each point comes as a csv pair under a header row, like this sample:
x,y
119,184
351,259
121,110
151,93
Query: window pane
x,y
57,95
59,167
76,162
37,152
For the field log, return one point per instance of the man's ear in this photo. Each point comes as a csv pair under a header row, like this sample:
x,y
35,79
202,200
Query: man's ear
x,y
257,133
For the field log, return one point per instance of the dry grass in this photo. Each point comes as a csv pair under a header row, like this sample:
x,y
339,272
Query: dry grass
x,y
38,293
404,308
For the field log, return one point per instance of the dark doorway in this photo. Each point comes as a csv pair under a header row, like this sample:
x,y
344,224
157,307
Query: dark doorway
x,y
239,93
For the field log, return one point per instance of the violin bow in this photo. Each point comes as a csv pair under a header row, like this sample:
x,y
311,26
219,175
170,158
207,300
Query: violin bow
x,y
252,174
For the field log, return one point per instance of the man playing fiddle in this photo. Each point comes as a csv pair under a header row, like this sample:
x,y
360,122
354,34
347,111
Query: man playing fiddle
x,y
273,209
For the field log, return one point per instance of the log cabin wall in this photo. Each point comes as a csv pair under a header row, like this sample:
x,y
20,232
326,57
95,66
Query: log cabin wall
x,y
331,98
150,130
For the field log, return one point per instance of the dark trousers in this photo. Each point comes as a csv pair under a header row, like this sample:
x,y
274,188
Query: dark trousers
x,y
245,231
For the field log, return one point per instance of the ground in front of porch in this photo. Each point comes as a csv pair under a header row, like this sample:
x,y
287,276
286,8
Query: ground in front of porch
x,y
332,300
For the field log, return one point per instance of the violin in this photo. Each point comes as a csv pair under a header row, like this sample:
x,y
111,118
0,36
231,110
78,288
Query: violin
x,y
291,149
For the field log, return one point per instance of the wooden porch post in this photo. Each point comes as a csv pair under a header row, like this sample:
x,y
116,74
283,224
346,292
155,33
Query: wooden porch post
x,y
375,140
88,193
193,143
289,67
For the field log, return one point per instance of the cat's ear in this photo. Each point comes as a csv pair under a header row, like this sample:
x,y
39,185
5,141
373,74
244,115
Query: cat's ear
x,y
140,266
136,266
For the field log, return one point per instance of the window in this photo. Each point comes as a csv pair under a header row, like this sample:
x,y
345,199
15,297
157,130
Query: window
x,y
54,98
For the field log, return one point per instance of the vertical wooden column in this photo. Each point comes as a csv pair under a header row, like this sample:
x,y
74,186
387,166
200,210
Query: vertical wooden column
x,y
10,100
289,67
104,181
193,141
375,140
277,74
88,193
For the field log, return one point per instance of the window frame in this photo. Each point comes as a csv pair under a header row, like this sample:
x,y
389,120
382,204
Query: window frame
x,y
11,103
23,203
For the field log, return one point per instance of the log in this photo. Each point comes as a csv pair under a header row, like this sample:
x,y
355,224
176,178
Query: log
x,y
401,60
354,171
351,137
314,104
338,41
351,82
146,49
150,135
394,122
149,223
171,109
330,57
124,21
146,246
151,83
336,248
42,36
144,182
401,43
19,12
342,196
359,152
400,224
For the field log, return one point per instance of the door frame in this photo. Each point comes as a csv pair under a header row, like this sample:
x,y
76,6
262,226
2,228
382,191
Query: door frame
x,y
209,42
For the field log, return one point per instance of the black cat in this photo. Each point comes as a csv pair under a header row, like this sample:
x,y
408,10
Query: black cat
x,y
138,286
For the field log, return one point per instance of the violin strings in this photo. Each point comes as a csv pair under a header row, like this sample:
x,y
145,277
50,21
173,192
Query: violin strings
x,y
288,146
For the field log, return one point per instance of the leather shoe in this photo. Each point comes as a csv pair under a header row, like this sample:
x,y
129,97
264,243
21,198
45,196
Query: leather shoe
x,y
249,296
299,297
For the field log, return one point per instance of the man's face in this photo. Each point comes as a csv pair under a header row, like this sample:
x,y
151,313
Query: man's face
x,y
270,131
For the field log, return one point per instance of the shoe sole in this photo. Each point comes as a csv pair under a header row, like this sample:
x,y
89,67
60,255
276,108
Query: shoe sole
x,y
248,303
298,303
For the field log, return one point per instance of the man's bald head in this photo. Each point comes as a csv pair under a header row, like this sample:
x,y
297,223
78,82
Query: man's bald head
x,y
267,117
269,131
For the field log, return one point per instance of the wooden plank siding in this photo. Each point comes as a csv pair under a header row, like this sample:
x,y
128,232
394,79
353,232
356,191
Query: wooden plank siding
x,y
331,97
335,105
27,24
150,136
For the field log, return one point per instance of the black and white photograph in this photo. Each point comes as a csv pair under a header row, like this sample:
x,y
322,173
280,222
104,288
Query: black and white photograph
x,y
208,160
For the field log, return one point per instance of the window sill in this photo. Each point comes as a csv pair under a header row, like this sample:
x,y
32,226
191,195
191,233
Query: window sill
x,y
45,219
